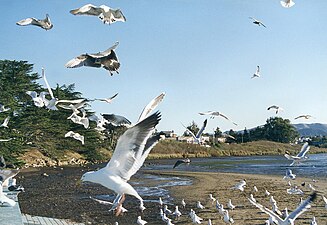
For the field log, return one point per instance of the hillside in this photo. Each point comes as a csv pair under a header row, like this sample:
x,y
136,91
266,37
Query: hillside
x,y
313,129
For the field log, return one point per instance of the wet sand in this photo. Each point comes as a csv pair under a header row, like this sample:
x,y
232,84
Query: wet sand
x,y
59,195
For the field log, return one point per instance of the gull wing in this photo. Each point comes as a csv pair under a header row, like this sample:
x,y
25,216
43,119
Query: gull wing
x,y
117,15
82,60
198,135
302,116
89,9
130,151
104,53
108,100
151,106
178,162
304,206
266,210
33,94
27,21
324,199
190,132
47,84
116,120
305,148
70,134
206,113
6,174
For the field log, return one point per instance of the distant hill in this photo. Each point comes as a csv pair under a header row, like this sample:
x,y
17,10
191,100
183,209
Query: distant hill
x,y
313,129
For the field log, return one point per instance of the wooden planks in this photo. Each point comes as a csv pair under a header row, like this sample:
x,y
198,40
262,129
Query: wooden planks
x,y
39,220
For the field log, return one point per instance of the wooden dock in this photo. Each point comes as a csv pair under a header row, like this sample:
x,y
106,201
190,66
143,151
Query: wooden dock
x,y
12,215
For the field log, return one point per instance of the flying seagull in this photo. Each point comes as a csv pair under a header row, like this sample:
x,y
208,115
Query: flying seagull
x,y
257,22
106,14
275,107
257,73
45,23
300,156
151,106
107,100
5,122
116,120
197,137
130,153
216,113
289,175
304,117
181,161
38,100
76,136
3,109
287,3
106,59
289,220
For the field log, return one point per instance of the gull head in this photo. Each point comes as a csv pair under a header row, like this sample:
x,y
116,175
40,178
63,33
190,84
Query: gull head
x,y
89,176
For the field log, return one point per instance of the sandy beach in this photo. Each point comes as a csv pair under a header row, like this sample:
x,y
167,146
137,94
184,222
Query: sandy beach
x,y
55,192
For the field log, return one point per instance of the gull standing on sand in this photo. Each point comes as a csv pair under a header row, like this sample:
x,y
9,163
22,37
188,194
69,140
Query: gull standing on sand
x,y
166,210
5,122
252,198
106,14
313,221
45,23
267,192
197,137
216,113
209,222
289,220
275,107
257,22
287,3
76,136
183,203
3,109
240,186
300,156
255,189
160,202
106,59
325,201
289,175
199,205
4,199
140,221
195,218
211,198
230,205
227,218
177,213
131,150
257,73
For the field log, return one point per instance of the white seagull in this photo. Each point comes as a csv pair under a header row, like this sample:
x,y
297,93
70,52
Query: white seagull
x,y
325,201
107,100
289,220
151,106
5,122
257,22
106,59
227,218
267,192
197,137
287,3
4,199
230,205
216,113
106,14
300,156
211,198
3,109
140,221
177,213
313,221
38,100
76,136
130,153
257,73
255,189
289,175
240,186
275,107
45,23
184,203
199,205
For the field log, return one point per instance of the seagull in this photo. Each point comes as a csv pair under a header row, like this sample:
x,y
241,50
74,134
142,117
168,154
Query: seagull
x,y
5,122
12,185
304,117
199,205
227,218
3,109
151,106
130,153
287,3
267,192
116,120
184,204
240,186
140,221
106,14
106,59
230,205
107,100
177,213
120,208
325,201
166,210
209,222
300,156
4,199
211,198
80,120
5,175
289,175
181,161
197,137
252,198
76,136
160,201
294,191
313,221
38,100
257,73
257,22
45,23
289,220
2,162
195,218
272,200
215,113
255,189
275,107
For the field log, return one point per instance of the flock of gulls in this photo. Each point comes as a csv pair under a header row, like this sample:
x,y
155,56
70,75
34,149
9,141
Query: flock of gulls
x,y
138,140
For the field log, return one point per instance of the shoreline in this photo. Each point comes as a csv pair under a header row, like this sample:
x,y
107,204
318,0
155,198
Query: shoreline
x,y
59,196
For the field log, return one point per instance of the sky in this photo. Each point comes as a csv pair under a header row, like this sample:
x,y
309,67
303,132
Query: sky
x,y
202,54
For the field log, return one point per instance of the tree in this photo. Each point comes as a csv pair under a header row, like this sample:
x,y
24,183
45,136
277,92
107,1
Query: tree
x,y
193,127
246,136
217,132
280,130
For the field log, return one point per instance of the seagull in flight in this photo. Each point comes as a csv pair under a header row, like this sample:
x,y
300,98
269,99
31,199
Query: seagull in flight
x,y
275,107
257,22
106,14
107,100
76,136
116,120
289,220
289,175
300,156
131,150
216,113
151,106
3,109
5,122
38,100
45,23
304,117
181,161
197,137
257,73
287,3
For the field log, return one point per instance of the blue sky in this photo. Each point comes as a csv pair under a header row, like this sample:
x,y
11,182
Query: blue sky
x,y
201,53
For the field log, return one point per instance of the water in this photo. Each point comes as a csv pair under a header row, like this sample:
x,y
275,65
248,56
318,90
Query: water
x,y
315,166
